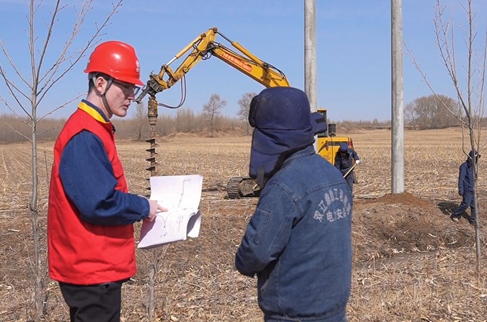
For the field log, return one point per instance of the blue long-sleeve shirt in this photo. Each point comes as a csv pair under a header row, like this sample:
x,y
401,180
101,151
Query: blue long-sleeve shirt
x,y
88,180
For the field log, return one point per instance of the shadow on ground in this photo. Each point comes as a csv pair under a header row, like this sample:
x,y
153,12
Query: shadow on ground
x,y
447,207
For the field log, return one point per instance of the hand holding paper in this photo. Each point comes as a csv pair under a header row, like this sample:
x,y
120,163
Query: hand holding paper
x,y
181,195
155,208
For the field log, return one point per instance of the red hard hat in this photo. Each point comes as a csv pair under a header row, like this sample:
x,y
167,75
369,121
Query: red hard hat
x,y
116,59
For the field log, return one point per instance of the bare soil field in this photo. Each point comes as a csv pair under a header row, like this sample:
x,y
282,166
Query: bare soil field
x,y
411,262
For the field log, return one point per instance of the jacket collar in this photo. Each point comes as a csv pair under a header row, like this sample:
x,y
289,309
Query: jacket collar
x,y
94,111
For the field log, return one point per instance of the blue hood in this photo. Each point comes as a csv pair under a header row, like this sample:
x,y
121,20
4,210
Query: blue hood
x,y
283,124
471,155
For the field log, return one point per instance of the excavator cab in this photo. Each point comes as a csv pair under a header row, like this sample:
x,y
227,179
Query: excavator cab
x,y
328,142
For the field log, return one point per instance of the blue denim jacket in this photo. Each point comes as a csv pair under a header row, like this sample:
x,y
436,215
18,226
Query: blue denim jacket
x,y
298,242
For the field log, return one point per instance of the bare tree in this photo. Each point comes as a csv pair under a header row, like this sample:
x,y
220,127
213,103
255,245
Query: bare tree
x,y
28,93
185,120
140,120
409,115
212,110
470,94
428,112
243,112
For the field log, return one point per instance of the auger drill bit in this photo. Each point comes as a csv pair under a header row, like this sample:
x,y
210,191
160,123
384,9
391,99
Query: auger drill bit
x,y
152,115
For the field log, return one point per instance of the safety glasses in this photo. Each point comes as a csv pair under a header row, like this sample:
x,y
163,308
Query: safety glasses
x,y
127,87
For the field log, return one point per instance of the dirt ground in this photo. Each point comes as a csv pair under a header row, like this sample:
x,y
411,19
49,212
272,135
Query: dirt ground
x,y
411,262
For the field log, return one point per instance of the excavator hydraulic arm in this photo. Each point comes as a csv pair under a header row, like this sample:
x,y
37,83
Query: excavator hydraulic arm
x,y
202,48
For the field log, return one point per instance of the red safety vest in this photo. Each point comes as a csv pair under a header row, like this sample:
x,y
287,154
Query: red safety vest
x,y
80,252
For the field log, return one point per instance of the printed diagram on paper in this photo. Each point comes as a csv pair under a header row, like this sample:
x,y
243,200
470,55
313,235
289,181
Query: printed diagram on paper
x,y
181,195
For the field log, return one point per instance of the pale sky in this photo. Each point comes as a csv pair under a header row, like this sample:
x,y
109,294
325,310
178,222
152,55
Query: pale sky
x,y
353,48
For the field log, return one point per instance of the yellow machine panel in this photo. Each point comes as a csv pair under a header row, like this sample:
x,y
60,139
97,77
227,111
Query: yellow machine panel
x,y
328,142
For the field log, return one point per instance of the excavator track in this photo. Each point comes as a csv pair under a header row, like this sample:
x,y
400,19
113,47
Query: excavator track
x,y
240,187
233,188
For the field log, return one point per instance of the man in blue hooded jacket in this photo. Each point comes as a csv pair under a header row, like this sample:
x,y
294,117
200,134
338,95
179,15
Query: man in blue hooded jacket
x,y
344,162
466,189
298,241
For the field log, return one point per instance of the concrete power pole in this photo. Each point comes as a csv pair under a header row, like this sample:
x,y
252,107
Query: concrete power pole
x,y
310,77
397,139
310,53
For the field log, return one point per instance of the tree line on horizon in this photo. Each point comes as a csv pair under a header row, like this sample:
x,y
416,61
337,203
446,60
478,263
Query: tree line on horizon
x,y
423,113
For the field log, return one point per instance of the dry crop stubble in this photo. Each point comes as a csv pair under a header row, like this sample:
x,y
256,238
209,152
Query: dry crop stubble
x,y
411,263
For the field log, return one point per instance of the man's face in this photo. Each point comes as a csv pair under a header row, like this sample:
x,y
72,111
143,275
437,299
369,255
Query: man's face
x,y
119,97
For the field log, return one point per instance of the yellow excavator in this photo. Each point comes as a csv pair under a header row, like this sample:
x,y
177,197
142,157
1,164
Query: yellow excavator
x,y
202,48
328,143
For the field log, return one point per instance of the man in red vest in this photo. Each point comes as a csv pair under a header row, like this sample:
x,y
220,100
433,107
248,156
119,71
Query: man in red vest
x,y
91,241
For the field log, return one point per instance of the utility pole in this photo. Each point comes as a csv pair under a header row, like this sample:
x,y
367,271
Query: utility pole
x,y
310,76
397,119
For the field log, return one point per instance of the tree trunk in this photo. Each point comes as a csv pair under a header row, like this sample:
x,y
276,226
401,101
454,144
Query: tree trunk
x,y
34,212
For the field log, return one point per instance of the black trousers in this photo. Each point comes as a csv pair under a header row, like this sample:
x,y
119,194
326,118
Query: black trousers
x,y
93,303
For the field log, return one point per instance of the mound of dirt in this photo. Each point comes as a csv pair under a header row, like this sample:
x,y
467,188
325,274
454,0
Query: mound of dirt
x,y
404,223
405,198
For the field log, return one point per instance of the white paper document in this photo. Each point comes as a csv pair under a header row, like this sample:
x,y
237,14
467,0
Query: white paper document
x,y
181,195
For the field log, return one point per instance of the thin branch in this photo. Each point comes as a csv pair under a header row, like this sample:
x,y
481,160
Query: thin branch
x,y
31,47
447,55
447,52
470,50
425,79
5,52
92,42
61,106
61,58
48,38
13,110
13,129
483,67
11,86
